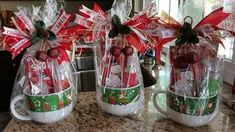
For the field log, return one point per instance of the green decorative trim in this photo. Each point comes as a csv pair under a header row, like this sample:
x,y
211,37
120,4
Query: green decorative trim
x,y
187,35
118,28
50,102
192,106
41,33
120,96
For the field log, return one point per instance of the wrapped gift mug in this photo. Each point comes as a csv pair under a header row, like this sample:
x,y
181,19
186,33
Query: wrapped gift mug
x,y
187,110
44,108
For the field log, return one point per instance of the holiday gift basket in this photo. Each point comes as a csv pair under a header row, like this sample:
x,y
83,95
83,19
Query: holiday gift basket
x,y
117,40
44,89
194,92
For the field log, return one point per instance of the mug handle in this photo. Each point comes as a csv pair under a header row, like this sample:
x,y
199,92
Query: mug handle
x,y
17,114
156,104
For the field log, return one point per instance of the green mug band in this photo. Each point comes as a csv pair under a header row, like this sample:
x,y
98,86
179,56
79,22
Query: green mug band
x,y
191,105
120,96
48,103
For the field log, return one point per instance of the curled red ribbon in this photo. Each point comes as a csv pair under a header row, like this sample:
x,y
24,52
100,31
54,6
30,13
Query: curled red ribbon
x,y
16,40
138,38
206,28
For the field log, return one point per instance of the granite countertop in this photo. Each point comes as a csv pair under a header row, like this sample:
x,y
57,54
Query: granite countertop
x,y
87,116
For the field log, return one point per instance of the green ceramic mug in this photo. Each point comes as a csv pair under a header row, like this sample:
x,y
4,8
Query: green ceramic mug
x,y
189,111
45,108
119,101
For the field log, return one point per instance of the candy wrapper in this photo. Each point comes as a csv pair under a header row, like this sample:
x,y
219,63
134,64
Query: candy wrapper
x,y
193,96
117,40
44,81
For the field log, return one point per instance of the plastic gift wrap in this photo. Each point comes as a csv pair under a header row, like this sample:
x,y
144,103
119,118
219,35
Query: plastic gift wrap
x,y
195,84
117,40
119,79
44,89
196,79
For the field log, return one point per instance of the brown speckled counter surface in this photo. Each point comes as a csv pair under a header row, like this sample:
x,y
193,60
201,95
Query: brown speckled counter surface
x,y
88,117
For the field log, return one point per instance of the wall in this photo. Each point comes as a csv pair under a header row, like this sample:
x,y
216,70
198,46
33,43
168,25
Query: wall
x,y
72,6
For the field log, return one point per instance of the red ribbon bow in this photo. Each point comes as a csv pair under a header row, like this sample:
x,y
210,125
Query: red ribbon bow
x,y
205,28
97,26
16,40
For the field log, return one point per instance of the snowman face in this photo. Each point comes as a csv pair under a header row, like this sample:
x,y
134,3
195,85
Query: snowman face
x,y
116,70
188,75
114,81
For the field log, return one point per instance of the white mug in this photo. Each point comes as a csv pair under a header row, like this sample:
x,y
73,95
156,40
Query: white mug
x,y
189,111
44,108
130,106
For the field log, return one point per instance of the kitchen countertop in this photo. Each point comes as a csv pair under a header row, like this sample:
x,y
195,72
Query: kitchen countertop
x,y
87,116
